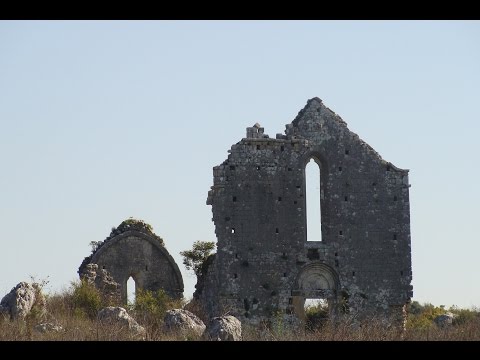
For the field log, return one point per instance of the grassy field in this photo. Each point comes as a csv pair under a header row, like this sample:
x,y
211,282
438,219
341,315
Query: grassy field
x,y
75,311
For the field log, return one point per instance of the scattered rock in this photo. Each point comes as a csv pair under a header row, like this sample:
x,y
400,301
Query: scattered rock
x,y
444,319
22,299
183,321
224,328
48,327
118,315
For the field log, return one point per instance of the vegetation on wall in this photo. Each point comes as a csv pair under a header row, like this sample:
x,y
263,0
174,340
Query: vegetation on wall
x,y
195,258
126,225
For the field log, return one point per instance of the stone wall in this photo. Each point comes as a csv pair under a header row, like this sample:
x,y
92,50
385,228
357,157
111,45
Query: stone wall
x,y
133,250
265,265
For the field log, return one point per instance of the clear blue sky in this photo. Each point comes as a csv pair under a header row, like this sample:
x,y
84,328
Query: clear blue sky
x,y
100,121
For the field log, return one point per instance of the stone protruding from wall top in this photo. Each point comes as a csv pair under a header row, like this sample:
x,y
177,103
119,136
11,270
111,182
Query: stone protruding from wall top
x,y
256,132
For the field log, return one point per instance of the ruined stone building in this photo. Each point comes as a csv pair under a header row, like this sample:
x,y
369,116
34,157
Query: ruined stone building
x,y
265,266
134,251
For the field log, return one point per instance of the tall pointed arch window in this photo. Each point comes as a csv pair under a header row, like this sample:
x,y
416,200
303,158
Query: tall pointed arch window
x,y
313,195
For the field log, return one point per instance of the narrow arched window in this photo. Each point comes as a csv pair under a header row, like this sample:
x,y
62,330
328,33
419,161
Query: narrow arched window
x,y
131,290
313,201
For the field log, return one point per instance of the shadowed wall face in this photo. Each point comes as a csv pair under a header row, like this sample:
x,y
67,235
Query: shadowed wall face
x,y
266,266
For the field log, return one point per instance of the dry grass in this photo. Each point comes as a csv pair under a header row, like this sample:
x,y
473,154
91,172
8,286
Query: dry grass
x,y
371,330
79,325
79,328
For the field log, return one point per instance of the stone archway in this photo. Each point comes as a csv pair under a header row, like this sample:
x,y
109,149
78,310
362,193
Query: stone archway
x,y
315,281
133,250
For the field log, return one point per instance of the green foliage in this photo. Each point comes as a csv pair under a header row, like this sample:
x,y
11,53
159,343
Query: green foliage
x,y
132,221
86,299
464,315
95,245
277,323
195,258
316,315
421,316
155,303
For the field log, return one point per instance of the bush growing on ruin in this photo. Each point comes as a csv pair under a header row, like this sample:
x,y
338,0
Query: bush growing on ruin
x,y
195,258
132,221
95,245
124,225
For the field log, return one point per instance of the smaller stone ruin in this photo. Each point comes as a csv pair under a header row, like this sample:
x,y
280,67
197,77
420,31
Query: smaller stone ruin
x,y
132,250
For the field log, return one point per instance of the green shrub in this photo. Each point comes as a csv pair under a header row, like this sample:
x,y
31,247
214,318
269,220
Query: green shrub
x,y
150,307
134,222
316,315
464,315
86,299
155,303
195,258
421,316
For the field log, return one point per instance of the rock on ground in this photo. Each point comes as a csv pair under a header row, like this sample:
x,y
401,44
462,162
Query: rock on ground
x,y
224,328
118,315
21,300
48,327
184,321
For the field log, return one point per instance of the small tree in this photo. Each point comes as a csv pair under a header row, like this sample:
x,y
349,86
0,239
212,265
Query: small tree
x,y
95,245
195,258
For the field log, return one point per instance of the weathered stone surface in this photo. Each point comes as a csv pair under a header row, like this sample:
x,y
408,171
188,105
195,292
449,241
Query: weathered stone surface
x,y
444,320
21,299
133,250
206,290
183,321
119,316
224,328
265,265
48,327
103,281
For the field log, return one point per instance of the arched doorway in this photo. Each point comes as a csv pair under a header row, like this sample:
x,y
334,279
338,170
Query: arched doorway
x,y
316,281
